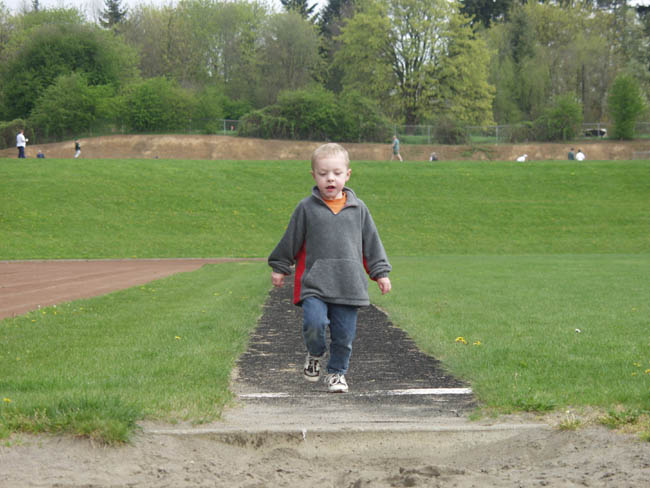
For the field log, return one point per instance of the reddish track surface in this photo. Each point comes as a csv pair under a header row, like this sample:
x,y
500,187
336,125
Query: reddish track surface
x,y
28,285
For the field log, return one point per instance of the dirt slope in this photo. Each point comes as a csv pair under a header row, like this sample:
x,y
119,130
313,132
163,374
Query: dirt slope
x,y
240,148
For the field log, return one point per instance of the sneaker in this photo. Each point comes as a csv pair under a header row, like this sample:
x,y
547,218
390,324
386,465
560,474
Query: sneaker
x,y
312,367
336,383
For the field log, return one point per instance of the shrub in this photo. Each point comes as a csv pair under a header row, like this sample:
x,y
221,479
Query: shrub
x,y
157,104
625,104
316,114
360,119
9,130
522,132
312,113
561,121
308,114
67,107
449,131
267,123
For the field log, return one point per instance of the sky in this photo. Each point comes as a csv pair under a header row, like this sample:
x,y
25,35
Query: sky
x,y
90,6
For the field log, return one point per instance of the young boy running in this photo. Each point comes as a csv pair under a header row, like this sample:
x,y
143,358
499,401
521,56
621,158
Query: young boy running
x,y
331,238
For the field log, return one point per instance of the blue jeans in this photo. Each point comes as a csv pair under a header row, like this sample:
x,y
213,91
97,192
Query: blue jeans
x,y
342,322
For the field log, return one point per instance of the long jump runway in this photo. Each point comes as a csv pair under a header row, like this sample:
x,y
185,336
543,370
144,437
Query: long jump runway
x,y
391,382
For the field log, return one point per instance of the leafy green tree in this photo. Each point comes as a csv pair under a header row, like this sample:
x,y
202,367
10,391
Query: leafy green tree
x,y
365,56
460,89
547,49
65,108
157,104
626,104
37,58
200,43
289,58
113,14
6,28
407,53
159,37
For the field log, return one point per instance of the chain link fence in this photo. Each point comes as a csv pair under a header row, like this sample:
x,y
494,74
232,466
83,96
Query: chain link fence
x,y
506,134
408,134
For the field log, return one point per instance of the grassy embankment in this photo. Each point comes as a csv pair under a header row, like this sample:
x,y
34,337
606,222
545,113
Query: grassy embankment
x,y
515,259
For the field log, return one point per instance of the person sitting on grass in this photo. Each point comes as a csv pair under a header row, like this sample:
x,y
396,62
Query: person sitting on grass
x,y
331,238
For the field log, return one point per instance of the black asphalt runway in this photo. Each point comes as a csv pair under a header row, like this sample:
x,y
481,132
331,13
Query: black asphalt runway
x,y
386,368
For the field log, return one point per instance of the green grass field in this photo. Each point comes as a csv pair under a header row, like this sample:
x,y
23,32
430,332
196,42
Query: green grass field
x,y
515,259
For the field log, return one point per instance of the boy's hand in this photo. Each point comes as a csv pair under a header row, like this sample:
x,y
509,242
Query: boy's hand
x,y
277,279
384,284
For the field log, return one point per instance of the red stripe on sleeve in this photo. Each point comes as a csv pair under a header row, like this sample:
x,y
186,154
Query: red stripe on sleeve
x,y
300,270
365,265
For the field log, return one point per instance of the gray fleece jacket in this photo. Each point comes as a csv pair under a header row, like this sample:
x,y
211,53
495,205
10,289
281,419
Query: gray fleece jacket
x,y
330,251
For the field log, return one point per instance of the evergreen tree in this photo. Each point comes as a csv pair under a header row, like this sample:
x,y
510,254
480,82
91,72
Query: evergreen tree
x,y
113,15
300,6
331,18
484,11
332,14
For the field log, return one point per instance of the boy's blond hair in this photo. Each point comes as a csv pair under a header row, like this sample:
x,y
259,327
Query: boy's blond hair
x,y
329,150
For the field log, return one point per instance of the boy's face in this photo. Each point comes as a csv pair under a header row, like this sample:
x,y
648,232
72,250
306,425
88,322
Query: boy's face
x,y
331,173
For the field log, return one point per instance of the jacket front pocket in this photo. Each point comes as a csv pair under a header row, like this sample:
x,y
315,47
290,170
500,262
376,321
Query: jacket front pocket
x,y
337,278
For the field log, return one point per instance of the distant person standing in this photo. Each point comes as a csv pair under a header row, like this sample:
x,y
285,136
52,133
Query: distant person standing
x,y
396,149
77,149
580,156
21,142
571,156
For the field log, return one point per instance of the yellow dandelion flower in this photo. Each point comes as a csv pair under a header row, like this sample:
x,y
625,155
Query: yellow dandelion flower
x,y
461,340
178,338
647,371
6,400
477,343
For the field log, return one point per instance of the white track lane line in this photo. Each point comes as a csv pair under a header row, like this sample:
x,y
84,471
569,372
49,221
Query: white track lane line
x,y
413,391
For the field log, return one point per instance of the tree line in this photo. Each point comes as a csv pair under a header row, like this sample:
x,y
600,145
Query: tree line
x,y
349,72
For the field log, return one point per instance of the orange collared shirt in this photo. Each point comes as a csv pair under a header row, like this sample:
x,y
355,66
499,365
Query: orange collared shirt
x,y
337,205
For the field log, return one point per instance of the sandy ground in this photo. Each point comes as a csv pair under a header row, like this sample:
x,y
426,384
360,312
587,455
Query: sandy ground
x,y
517,458
239,148
317,442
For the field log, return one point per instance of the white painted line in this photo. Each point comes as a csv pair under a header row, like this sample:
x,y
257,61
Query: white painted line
x,y
265,395
412,391
429,391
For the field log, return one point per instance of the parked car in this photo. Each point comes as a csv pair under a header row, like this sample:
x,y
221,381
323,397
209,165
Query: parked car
x,y
596,133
